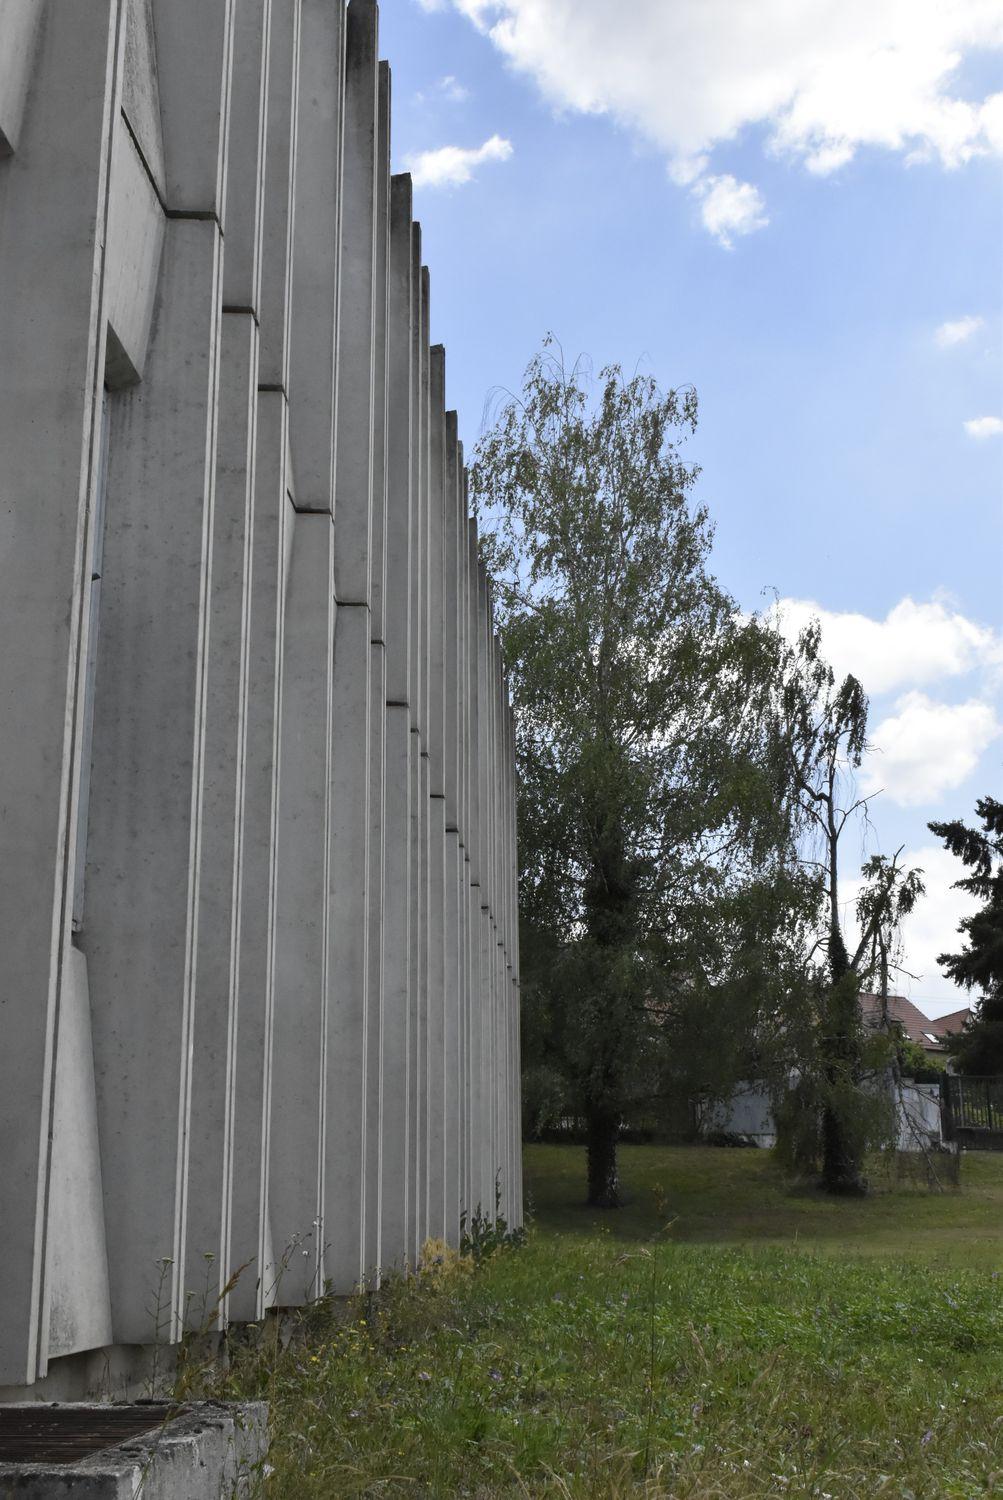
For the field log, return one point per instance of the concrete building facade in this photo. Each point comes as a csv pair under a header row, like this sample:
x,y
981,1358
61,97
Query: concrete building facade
x,y
258,939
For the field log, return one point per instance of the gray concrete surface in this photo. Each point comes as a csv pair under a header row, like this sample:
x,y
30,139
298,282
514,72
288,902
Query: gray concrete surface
x,y
258,946
209,1451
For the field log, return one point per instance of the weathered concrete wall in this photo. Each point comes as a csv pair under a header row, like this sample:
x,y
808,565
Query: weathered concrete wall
x,y
258,950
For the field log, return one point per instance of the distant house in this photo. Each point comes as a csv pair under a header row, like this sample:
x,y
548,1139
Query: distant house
x,y
918,1028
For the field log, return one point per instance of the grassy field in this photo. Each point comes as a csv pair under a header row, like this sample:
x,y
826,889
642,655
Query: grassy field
x,y
738,1197
766,1343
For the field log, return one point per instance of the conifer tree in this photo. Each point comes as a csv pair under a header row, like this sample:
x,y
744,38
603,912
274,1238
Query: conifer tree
x,y
978,966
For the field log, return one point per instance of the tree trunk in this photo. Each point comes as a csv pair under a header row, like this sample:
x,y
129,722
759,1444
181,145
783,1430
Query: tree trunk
x,y
841,1150
604,1182
840,1158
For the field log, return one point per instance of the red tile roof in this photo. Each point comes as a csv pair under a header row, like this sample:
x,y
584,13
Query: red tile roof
x,y
917,1027
952,1024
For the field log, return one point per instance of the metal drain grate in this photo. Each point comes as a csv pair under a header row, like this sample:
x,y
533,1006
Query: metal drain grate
x,y
63,1434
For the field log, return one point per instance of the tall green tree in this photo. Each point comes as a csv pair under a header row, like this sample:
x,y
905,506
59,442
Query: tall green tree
x,y
978,966
650,786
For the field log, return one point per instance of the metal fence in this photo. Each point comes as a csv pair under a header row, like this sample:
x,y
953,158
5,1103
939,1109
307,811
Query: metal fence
x,y
973,1111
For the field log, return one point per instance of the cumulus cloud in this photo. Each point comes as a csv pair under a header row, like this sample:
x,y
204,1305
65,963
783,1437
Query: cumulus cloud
x,y
984,427
822,79
729,208
932,928
451,166
958,331
915,644
925,748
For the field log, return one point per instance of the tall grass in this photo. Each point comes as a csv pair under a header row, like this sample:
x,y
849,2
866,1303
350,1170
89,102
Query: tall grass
x,y
584,1365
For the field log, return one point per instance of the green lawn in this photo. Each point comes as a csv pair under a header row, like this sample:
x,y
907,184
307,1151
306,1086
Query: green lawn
x,y
766,1343
737,1197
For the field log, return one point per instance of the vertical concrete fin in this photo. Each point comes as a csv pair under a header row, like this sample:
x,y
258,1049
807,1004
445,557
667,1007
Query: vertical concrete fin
x,y
353,513
372,1228
194,54
280,192
21,22
54,205
300,1027
140,930
245,177
313,339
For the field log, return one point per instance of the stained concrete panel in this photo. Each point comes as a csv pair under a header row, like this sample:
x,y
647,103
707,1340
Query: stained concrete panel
x,y
418,517
381,365
451,1037
424,601
135,240
375,1032
400,343
377,698
141,910
53,204
245,176
398,913
348,974
319,103
77,1273
300,1025
272,523
19,26
421,1192
435,1221
417,999
215,1024
194,44
435,569
141,90
280,192
357,309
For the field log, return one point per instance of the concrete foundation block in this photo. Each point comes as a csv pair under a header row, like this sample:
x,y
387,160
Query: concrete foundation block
x,y
204,1451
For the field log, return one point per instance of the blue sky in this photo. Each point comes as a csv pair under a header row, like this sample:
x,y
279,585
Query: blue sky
x,y
797,207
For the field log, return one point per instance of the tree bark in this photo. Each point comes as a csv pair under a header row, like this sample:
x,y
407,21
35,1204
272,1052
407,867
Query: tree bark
x,y
604,1181
841,1156
840,1159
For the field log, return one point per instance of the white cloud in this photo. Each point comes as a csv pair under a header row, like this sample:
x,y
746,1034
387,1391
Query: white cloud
x,y
452,90
931,929
823,79
448,90
926,748
984,427
914,644
729,207
956,332
451,166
